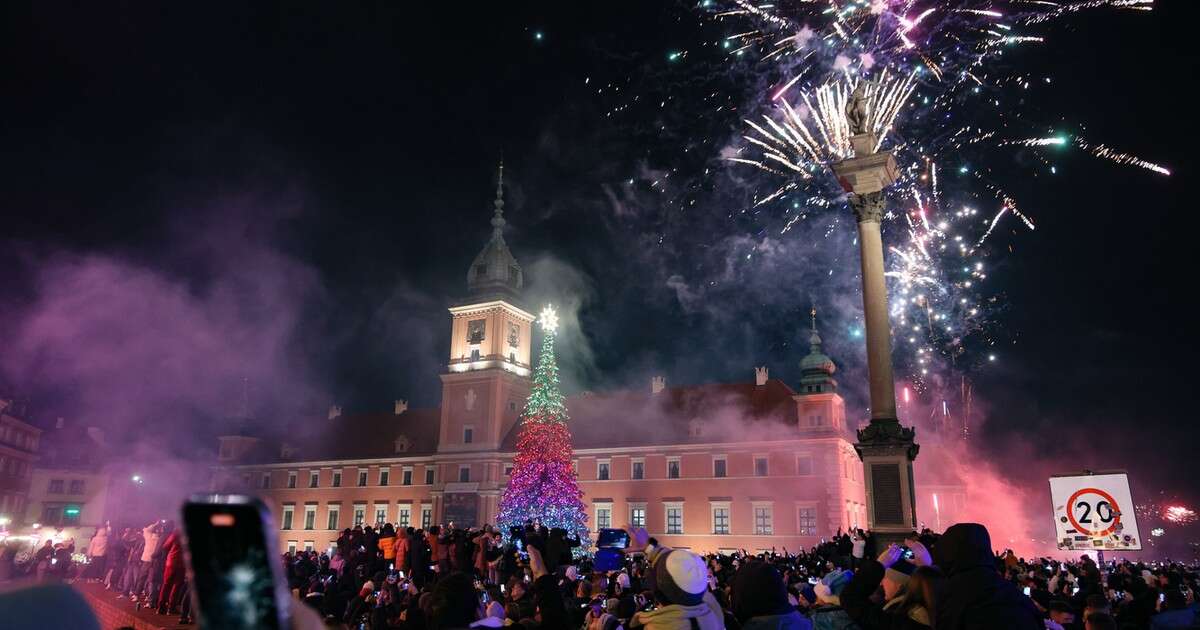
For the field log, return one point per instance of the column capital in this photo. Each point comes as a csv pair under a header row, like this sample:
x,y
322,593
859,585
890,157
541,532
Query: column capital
x,y
887,437
868,207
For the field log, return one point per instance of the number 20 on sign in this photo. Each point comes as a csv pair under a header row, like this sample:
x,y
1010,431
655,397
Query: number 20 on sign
x,y
1094,511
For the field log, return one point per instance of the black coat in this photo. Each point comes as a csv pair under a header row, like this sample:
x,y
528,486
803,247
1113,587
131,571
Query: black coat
x,y
856,601
974,596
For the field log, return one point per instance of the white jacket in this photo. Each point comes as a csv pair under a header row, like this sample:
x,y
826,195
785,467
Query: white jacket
x,y
99,545
153,539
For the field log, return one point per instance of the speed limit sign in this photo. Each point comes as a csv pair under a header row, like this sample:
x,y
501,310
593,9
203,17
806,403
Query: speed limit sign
x,y
1094,512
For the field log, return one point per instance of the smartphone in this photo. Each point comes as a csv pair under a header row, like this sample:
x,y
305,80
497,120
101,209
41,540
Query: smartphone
x,y
1027,589
1162,597
610,538
234,564
814,581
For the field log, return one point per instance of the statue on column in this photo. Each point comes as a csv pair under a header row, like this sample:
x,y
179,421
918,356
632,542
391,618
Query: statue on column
x,y
856,109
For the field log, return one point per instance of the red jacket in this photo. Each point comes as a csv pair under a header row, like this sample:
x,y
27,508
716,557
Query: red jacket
x,y
173,549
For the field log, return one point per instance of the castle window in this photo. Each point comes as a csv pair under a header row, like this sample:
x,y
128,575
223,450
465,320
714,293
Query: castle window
x,y
674,518
720,518
673,468
763,525
719,467
637,514
804,465
760,466
602,469
807,521
480,271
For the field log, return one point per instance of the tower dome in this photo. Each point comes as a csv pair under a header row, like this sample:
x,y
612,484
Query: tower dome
x,y
816,369
495,272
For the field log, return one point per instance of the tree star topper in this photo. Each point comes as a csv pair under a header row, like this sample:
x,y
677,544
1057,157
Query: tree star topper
x,y
549,319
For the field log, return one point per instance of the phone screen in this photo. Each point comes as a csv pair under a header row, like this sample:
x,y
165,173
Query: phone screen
x,y
233,563
1027,591
612,538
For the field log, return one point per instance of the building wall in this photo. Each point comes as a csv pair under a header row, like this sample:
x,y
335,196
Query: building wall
x,y
18,452
61,489
801,473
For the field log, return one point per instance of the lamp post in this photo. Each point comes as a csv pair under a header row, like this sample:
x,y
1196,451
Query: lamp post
x,y
886,448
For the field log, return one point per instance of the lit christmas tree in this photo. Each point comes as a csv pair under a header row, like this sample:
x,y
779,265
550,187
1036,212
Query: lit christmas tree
x,y
543,486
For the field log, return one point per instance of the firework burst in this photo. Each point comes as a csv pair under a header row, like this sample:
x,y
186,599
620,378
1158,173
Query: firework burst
x,y
936,100
1178,514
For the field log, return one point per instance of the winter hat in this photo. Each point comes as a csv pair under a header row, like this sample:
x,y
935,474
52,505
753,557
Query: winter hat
x,y
368,587
679,577
809,594
758,590
900,571
572,573
829,589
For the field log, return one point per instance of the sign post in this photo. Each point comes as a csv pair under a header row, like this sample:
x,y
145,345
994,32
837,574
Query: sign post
x,y
1094,512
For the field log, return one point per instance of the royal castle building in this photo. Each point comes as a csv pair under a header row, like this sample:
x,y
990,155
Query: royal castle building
x,y
753,465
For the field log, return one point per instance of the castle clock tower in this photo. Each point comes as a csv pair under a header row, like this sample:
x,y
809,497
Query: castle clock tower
x,y
488,377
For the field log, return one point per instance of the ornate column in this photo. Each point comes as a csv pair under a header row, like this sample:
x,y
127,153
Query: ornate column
x,y
886,448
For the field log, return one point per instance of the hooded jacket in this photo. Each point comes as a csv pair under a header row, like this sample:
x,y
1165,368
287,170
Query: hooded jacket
x,y
974,595
871,616
679,617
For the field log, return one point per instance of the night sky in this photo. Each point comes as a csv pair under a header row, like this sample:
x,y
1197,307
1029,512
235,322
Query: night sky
x,y
320,177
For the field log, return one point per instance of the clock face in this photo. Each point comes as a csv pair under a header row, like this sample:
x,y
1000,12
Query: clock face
x,y
514,334
475,330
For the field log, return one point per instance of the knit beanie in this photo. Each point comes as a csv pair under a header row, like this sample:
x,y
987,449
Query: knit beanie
x,y
829,589
679,577
900,571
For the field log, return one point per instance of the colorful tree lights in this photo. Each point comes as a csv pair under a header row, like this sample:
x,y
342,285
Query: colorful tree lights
x,y
543,486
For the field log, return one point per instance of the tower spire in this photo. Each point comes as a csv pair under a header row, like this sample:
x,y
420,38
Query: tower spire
x,y
814,338
816,369
498,217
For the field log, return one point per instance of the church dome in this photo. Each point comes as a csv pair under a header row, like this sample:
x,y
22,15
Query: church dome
x,y
816,360
495,270
816,369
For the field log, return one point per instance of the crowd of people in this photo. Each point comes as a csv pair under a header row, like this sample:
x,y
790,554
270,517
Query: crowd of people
x,y
448,577
406,578
145,565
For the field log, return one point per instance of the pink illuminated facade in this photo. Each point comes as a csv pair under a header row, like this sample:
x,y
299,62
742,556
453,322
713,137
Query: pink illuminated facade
x,y
751,465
